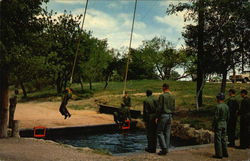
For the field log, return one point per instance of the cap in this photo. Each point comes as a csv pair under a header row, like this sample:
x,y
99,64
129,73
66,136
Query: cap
x,y
220,96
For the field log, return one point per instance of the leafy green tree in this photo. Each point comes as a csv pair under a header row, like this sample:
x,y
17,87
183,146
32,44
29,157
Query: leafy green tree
x,y
140,67
164,58
98,59
19,23
62,32
219,39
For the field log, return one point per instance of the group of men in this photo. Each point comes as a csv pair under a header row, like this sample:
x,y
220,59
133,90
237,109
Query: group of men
x,y
225,121
157,115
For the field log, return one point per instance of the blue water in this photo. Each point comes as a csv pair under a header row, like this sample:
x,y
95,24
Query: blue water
x,y
116,143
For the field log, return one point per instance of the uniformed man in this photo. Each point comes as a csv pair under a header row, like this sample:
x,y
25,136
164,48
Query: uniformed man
x,y
149,116
233,110
166,106
220,127
63,109
244,120
126,100
122,115
12,108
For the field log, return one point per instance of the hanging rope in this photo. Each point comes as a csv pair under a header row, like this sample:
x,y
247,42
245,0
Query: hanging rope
x,y
129,50
78,45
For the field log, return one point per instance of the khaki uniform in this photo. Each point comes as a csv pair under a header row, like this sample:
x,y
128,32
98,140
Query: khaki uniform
x,y
126,101
231,124
166,105
220,129
12,108
121,115
149,115
63,110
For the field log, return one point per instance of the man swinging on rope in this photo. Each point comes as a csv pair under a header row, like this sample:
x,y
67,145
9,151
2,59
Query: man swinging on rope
x,y
63,110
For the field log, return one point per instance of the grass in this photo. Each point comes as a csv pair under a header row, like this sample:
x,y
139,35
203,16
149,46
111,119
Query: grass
x,y
102,151
81,107
184,92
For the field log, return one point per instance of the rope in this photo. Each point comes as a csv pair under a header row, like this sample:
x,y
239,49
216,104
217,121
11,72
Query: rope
x,y
129,49
78,44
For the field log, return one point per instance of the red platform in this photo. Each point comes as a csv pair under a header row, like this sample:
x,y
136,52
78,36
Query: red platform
x,y
38,135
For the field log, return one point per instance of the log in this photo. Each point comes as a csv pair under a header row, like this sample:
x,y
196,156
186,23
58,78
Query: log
x,y
110,110
15,129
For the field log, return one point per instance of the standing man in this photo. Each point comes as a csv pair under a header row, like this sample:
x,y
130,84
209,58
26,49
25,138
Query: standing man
x,y
164,116
12,108
149,116
126,100
244,120
220,127
233,110
67,95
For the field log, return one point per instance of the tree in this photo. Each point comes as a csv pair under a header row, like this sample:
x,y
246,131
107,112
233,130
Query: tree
x,y
18,24
62,32
162,56
97,61
140,67
216,38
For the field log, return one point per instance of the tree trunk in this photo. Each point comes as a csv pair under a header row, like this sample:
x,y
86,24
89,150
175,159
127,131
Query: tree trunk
x,y
107,81
199,92
59,84
15,129
90,84
223,82
234,75
23,89
200,73
3,103
81,82
167,74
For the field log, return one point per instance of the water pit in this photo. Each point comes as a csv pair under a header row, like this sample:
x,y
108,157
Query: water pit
x,y
107,138
118,143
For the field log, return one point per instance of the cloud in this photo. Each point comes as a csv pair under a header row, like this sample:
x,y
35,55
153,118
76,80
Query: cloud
x,y
98,20
174,21
126,20
70,1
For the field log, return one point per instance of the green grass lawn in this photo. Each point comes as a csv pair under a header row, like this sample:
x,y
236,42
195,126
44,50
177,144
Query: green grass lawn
x,y
184,92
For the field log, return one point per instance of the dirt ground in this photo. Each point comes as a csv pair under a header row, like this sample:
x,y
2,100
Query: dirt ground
x,y
46,114
40,150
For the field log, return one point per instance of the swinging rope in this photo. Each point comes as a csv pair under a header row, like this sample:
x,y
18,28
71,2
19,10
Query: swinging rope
x,y
78,45
129,49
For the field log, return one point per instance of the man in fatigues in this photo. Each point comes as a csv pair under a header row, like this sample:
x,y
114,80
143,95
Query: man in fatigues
x,y
166,106
233,110
149,116
244,120
220,127
123,112
126,100
12,108
122,115
63,110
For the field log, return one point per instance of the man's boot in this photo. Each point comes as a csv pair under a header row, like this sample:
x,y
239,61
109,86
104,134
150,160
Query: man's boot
x,y
163,152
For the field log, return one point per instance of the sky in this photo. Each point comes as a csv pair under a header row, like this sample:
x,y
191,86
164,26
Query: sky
x,y
112,20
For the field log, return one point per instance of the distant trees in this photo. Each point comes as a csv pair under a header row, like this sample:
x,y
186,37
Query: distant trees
x,y
156,58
